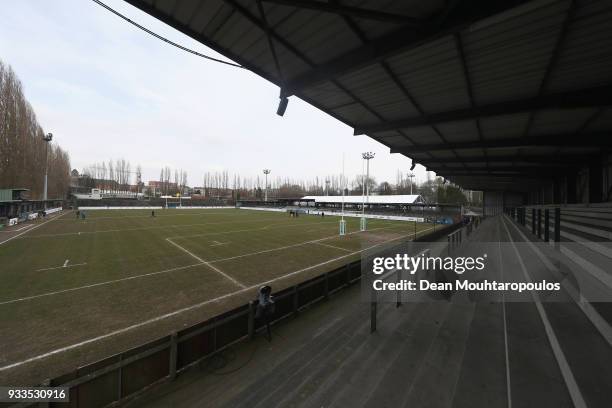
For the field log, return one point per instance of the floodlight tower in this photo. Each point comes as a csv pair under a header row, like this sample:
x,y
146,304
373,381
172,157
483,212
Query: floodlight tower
x,y
47,138
266,172
342,181
367,156
326,186
411,176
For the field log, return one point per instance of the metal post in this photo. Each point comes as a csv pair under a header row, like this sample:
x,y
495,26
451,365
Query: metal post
x,y
120,380
398,302
46,172
46,404
251,321
295,299
546,225
326,286
557,224
348,274
173,355
373,312
47,138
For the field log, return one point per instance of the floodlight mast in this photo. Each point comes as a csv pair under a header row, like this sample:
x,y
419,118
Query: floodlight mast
x,y
266,172
411,176
47,138
367,156
342,181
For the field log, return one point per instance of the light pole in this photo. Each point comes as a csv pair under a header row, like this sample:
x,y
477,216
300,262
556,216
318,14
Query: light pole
x,y
411,176
47,138
326,186
266,172
367,156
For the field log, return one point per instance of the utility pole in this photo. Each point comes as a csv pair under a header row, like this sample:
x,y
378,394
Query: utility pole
x,y
367,156
47,138
266,172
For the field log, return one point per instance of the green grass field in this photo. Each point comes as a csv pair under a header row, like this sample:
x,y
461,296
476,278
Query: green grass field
x,y
74,291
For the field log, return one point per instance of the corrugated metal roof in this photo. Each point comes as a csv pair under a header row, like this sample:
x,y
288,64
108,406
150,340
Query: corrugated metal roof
x,y
373,199
437,74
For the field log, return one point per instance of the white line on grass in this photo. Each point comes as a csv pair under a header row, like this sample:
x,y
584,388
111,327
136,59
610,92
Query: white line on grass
x,y
219,271
149,228
34,227
314,241
60,267
177,312
279,225
93,285
332,246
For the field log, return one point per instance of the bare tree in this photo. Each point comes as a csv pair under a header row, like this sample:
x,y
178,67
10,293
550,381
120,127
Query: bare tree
x,y
22,148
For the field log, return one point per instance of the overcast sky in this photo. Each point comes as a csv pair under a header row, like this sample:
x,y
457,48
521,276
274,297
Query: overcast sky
x,y
108,90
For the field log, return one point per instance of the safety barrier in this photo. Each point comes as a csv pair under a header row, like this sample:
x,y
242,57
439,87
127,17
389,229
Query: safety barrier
x,y
455,238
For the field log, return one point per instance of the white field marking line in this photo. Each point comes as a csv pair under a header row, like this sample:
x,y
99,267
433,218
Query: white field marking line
x,y
60,267
200,262
219,271
156,215
217,243
280,248
507,357
24,227
332,246
591,313
134,277
566,371
278,224
93,285
145,228
34,227
176,312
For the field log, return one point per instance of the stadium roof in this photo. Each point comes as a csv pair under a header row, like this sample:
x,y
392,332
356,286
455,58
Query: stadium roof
x,y
373,199
490,94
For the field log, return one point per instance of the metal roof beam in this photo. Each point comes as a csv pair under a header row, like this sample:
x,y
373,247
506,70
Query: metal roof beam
x,y
494,176
350,11
407,37
513,169
565,159
586,98
601,139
